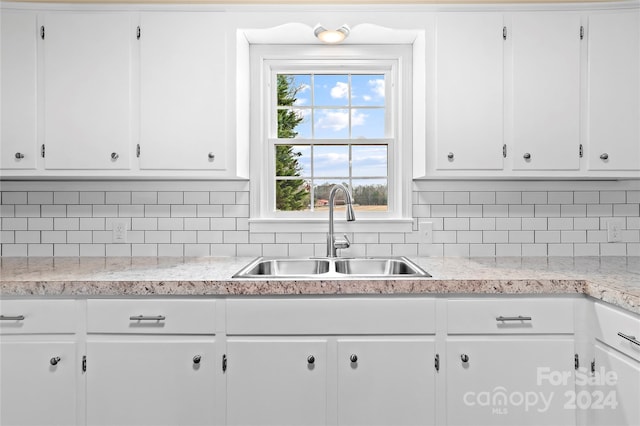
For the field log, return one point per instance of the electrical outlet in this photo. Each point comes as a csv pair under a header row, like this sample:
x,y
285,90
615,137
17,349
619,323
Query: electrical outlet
x,y
119,233
425,229
614,230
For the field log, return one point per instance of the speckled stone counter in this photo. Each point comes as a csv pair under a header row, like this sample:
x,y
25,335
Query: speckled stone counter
x,y
615,280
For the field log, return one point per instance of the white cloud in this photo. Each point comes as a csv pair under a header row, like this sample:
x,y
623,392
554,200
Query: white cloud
x,y
367,98
358,118
334,120
377,87
340,90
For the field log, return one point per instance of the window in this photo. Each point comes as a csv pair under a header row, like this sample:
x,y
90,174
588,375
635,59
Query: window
x,y
326,120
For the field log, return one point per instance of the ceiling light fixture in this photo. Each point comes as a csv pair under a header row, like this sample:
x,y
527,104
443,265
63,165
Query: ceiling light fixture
x,y
331,36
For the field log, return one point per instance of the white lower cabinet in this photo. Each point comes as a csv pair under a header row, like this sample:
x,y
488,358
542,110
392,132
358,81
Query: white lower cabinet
x,y
386,381
509,381
614,396
152,362
151,381
39,368
276,381
38,385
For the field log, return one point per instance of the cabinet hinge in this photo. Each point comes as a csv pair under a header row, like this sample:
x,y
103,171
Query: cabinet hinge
x,y
138,33
224,363
138,150
42,32
84,363
504,150
576,361
504,33
42,151
593,366
436,362
581,151
581,32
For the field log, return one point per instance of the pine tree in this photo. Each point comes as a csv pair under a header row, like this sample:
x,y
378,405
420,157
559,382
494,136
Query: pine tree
x,y
290,194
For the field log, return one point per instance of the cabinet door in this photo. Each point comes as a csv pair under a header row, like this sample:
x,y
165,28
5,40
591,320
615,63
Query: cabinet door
x,y
386,382
275,382
34,391
151,382
617,405
87,82
614,91
182,123
18,90
469,85
545,91
509,381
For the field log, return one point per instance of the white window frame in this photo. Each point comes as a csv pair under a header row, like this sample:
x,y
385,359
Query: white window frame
x,y
392,60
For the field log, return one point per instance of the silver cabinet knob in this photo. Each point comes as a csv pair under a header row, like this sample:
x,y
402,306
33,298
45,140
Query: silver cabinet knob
x,y
197,359
526,156
211,156
353,358
450,156
55,360
464,358
604,156
114,156
311,359
19,156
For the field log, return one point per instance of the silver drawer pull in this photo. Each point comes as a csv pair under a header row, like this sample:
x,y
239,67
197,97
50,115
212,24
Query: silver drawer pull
x,y
55,360
11,318
632,339
148,318
518,318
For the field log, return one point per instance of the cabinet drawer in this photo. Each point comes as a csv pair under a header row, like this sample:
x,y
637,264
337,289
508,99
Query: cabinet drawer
x,y
610,322
510,316
37,316
331,316
151,316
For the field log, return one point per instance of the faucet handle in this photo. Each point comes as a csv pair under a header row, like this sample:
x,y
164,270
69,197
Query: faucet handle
x,y
342,244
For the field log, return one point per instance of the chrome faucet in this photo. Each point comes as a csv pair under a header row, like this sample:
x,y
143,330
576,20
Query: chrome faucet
x,y
332,243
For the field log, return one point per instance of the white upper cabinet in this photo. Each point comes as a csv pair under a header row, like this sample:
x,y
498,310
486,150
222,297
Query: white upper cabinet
x,y
469,91
182,91
613,135
18,144
87,90
545,91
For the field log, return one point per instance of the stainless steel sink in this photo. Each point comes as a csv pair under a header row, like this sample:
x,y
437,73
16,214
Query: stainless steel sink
x,y
327,268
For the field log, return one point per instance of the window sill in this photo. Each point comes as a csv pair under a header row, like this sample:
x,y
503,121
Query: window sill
x,y
322,225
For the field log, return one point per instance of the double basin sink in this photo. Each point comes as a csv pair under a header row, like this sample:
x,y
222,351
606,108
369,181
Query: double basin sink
x,y
329,268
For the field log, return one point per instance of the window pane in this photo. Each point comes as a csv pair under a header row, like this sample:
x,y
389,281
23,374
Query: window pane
x,y
368,90
294,123
370,195
292,195
331,123
294,89
331,160
331,90
367,123
369,160
293,160
321,191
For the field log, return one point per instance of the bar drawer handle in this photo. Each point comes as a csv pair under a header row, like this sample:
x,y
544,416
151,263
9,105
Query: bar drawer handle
x,y
632,339
11,318
518,318
148,318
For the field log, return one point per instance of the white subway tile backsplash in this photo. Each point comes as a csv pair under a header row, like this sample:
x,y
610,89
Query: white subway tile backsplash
x,y
39,197
456,198
613,197
202,223
482,197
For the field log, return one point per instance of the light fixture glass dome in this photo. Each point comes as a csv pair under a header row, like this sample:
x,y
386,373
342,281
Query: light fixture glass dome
x,y
331,36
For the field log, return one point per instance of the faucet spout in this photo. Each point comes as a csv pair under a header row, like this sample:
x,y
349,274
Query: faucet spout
x,y
332,244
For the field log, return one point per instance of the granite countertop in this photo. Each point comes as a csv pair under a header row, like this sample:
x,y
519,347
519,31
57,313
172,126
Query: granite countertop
x,y
612,279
